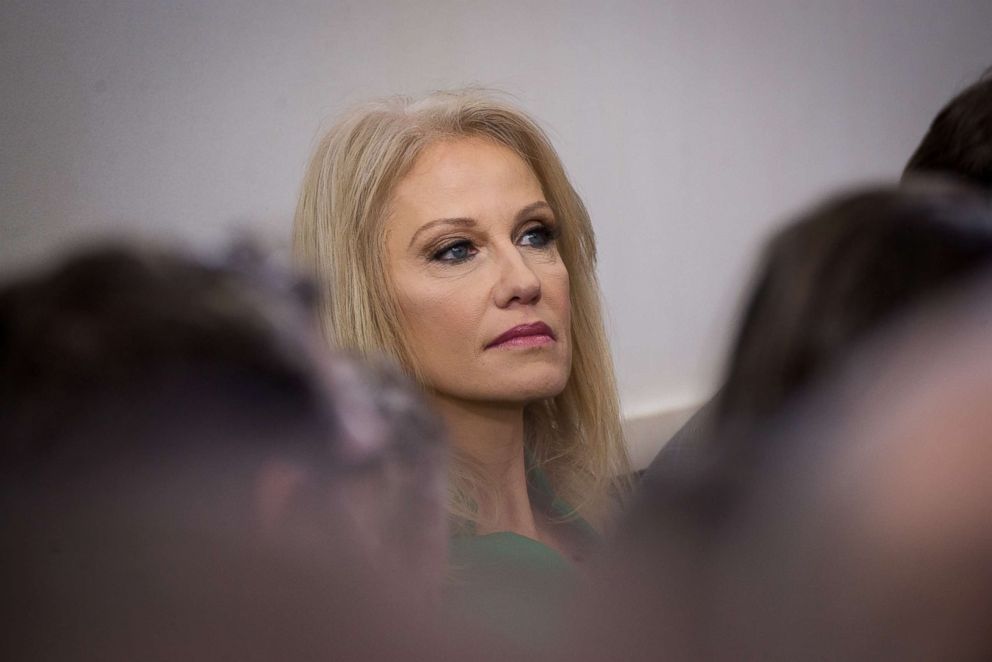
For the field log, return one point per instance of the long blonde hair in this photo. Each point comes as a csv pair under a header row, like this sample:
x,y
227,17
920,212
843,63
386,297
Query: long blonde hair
x,y
574,437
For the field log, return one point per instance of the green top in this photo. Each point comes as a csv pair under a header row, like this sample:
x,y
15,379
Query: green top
x,y
514,587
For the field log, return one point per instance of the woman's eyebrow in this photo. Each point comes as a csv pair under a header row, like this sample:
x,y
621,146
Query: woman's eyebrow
x,y
460,222
531,208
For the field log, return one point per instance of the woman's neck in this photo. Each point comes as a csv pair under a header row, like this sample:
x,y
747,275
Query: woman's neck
x,y
492,436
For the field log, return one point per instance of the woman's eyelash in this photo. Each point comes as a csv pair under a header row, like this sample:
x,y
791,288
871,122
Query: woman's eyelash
x,y
459,250
547,234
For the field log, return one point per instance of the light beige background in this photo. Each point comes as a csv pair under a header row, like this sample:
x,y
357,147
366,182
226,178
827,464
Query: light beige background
x,y
691,127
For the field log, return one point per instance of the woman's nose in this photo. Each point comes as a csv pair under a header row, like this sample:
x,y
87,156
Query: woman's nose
x,y
517,282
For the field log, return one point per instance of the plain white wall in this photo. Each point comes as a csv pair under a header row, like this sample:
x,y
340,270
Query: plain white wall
x,y
690,127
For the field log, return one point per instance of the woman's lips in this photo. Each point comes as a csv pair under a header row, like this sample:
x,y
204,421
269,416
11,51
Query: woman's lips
x,y
524,335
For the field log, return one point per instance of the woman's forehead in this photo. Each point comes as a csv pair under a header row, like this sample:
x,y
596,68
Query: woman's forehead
x,y
465,177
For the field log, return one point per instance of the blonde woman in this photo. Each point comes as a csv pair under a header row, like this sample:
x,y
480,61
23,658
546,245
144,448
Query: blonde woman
x,y
448,237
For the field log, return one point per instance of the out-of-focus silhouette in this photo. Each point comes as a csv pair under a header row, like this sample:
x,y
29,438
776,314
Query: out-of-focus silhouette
x,y
189,474
685,579
824,282
866,534
959,141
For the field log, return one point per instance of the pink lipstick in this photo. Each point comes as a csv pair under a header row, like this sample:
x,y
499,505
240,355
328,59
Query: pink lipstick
x,y
524,335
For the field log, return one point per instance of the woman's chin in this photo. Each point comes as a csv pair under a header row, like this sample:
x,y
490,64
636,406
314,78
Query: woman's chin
x,y
513,390
525,391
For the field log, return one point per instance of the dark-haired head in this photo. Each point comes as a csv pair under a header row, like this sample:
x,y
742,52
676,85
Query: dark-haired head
x,y
841,271
133,347
184,462
959,142
830,282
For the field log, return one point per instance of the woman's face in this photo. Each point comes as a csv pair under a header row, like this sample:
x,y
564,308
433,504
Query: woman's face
x,y
472,254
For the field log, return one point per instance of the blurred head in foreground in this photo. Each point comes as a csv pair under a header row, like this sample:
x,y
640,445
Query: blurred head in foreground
x,y
828,283
839,272
187,473
868,535
959,141
864,532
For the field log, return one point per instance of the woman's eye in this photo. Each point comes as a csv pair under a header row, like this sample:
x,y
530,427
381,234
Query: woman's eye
x,y
538,236
457,252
